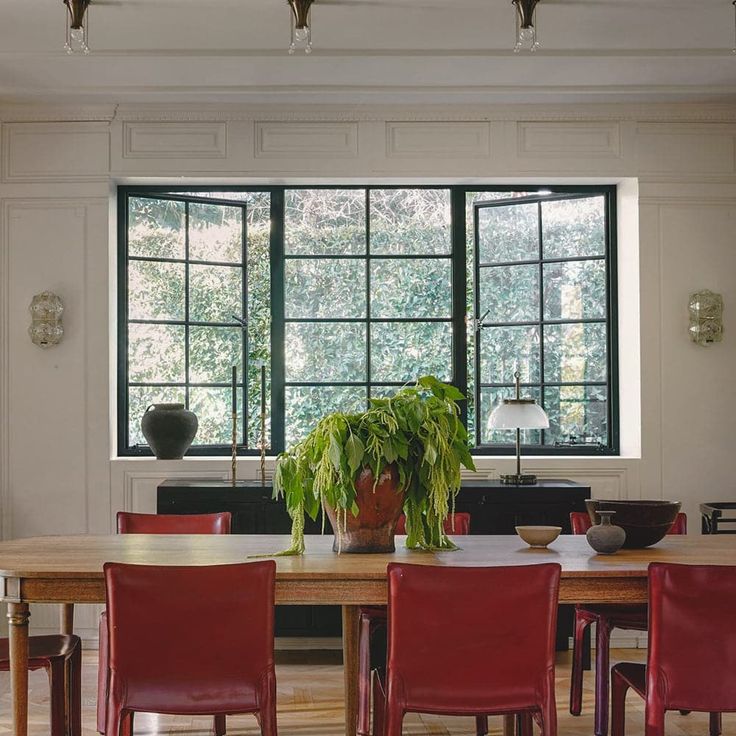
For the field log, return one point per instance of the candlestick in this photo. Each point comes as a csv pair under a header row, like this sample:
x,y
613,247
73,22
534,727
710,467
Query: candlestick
x,y
234,467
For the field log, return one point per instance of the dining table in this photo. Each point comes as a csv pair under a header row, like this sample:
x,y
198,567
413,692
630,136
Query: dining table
x,y
68,570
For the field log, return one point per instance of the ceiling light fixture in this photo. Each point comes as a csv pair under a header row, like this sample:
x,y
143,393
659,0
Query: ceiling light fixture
x,y
526,28
77,27
301,25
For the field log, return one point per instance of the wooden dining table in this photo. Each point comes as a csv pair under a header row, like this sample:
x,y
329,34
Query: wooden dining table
x,y
68,570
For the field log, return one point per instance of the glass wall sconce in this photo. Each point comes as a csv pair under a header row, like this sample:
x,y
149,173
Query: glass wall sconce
x,y
46,328
77,27
301,26
706,317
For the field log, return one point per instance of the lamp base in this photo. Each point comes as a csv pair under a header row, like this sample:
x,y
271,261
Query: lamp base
x,y
519,480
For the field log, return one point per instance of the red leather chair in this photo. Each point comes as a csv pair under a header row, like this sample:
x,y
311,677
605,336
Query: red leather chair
x,y
373,618
606,618
130,523
56,654
692,648
191,641
469,640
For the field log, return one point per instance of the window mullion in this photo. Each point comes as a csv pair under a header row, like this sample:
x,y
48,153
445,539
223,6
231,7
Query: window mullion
x,y
542,373
186,304
278,368
368,372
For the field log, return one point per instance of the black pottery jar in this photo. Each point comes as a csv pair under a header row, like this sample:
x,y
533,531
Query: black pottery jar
x,y
606,538
169,430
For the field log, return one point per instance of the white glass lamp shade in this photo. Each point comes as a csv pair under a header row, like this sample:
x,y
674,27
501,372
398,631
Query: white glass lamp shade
x,y
516,414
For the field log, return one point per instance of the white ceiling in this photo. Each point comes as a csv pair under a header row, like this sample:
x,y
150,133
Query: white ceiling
x,y
438,51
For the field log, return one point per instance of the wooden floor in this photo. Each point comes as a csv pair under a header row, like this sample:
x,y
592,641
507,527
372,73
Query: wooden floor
x,y
310,696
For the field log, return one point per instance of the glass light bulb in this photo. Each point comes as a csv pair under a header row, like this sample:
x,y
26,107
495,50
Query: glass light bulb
x,y
526,34
301,35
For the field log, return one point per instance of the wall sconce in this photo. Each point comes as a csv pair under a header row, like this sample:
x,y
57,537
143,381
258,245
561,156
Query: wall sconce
x,y
77,27
706,317
46,328
526,30
301,25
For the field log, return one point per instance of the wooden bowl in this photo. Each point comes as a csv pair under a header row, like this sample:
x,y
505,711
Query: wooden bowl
x,y
645,522
538,536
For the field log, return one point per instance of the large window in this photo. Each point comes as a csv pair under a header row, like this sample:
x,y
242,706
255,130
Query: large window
x,y
345,293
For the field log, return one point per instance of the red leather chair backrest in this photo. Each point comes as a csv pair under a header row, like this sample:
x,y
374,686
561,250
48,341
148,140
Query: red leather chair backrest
x,y
191,639
457,524
692,637
580,522
465,635
129,523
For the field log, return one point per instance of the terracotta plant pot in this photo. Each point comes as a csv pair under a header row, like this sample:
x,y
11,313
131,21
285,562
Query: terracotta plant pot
x,y
372,530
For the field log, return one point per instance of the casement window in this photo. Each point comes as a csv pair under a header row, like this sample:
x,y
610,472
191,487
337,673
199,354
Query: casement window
x,y
347,293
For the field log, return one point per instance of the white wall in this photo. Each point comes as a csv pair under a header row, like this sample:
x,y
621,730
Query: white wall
x,y
676,166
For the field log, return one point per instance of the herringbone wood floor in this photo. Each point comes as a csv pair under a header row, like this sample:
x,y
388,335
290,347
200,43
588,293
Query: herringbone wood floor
x,y
310,696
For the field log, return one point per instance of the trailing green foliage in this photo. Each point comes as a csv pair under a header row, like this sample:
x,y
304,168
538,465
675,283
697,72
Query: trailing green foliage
x,y
418,430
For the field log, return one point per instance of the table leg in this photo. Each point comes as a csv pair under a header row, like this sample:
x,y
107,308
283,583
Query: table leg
x,y
350,618
18,615
66,618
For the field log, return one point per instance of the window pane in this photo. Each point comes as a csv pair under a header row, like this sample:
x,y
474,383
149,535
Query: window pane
x,y
305,406
213,407
411,288
213,351
140,398
574,353
155,290
574,227
156,353
489,398
325,351
215,233
575,290
156,228
325,221
503,349
511,293
215,293
383,392
325,288
410,221
404,351
508,233
577,414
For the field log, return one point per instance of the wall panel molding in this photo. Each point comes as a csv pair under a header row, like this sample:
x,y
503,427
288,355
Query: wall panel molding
x,y
305,140
438,140
174,140
563,140
55,152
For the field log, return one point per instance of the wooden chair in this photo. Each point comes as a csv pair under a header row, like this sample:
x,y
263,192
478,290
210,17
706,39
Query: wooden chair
x,y
132,523
493,652
692,648
606,618
194,640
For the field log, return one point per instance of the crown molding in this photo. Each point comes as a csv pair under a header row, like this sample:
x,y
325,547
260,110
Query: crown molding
x,y
499,113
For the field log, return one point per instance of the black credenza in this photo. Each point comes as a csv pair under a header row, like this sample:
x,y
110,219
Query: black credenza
x,y
494,509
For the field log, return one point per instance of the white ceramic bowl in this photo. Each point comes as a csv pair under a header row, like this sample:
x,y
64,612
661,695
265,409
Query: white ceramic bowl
x,y
538,536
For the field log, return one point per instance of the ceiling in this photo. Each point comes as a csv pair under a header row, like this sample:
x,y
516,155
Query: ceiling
x,y
371,51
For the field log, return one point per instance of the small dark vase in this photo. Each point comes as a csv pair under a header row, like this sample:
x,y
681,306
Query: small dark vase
x,y
373,529
169,430
605,538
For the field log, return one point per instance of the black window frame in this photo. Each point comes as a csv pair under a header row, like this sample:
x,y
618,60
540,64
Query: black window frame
x,y
460,314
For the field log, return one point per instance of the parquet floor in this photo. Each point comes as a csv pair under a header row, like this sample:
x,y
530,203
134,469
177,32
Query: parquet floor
x,y
310,704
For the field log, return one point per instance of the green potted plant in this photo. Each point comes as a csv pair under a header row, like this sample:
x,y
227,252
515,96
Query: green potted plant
x,y
361,470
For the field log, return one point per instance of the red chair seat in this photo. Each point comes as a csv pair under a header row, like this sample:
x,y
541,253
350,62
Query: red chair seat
x,y
59,654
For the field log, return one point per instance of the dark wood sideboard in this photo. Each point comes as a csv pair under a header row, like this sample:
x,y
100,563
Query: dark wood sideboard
x,y
494,508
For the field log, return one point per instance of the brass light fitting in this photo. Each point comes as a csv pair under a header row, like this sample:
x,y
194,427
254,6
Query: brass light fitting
x,y
77,26
301,25
526,28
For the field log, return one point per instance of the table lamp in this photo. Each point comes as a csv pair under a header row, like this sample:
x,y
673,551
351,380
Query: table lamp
x,y
518,414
